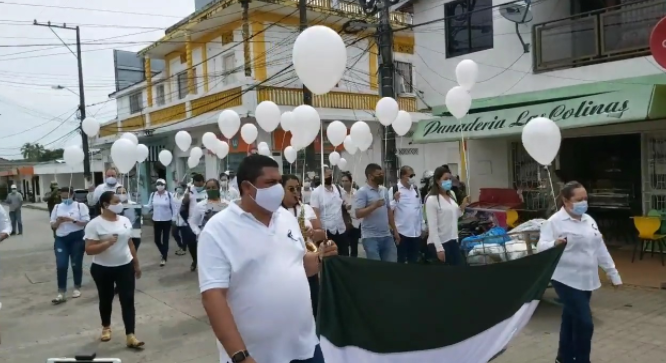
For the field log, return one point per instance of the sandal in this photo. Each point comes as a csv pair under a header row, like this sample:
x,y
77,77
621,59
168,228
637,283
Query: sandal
x,y
106,334
133,342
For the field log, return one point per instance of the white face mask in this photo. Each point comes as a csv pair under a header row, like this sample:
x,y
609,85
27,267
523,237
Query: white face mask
x,y
116,208
224,184
270,198
123,198
160,188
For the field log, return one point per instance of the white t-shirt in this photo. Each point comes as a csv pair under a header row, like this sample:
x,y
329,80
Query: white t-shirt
x,y
119,254
103,188
268,292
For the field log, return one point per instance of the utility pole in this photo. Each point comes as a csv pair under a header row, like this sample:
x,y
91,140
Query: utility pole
x,y
310,160
82,100
387,88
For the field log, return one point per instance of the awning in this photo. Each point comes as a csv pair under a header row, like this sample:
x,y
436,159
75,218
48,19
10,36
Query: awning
x,y
592,104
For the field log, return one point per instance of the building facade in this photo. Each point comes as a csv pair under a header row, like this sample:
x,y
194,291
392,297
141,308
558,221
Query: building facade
x,y
226,57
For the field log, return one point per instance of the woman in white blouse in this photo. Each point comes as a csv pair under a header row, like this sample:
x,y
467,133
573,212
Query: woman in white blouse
x,y
68,219
313,230
163,207
114,264
577,273
354,233
442,214
203,212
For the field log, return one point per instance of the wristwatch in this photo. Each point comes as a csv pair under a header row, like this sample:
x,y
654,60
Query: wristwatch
x,y
240,356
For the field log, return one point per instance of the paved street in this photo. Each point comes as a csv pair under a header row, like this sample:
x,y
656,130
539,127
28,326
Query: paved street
x,y
630,323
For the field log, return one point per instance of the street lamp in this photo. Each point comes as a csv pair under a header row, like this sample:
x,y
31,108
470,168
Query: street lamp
x,y
60,87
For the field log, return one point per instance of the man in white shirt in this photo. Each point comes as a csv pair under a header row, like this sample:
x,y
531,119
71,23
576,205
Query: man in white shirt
x,y
195,194
407,211
110,184
252,259
328,203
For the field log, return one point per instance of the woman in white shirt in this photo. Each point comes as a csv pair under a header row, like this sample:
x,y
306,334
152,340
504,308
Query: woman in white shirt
x,y
178,230
203,212
354,233
68,219
132,212
114,263
313,230
577,273
161,204
442,214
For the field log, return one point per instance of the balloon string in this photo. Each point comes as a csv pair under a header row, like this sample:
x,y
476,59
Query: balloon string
x,y
71,175
466,157
552,190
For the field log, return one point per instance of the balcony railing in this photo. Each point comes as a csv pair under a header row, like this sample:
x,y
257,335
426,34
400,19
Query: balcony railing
x,y
351,8
605,35
339,100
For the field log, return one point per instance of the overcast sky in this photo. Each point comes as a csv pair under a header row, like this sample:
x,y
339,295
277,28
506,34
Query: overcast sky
x,y
33,60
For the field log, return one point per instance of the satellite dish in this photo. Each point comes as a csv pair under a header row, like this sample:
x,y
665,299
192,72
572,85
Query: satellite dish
x,y
518,14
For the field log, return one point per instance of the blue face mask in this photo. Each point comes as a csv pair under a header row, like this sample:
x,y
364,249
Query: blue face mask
x,y
579,208
66,201
199,189
179,190
447,184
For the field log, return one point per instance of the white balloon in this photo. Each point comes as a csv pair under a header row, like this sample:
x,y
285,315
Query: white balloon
x,y
263,149
386,110
290,154
192,162
541,138
209,140
361,135
336,133
306,124
183,140
165,157
342,164
268,116
320,58
402,123
131,137
123,154
196,153
467,72
249,133
286,120
222,149
349,145
73,155
262,145
334,158
229,123
141,153
458,101
90,126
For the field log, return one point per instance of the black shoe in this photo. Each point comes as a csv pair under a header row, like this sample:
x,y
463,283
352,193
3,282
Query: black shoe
x,y
193,267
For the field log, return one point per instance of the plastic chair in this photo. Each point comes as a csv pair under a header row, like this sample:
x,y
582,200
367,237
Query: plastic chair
x,y
511,218
647,226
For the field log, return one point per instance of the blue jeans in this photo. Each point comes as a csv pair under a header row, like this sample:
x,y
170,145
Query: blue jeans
x,y
70,247
380,248
317,358
409,249
17,221
577,327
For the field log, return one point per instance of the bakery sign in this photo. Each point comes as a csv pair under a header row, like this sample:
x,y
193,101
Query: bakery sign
x,y
570,112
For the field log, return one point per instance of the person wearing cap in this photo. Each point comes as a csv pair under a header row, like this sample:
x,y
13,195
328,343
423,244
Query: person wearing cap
x,y
53,197
68,220
15,202
162,206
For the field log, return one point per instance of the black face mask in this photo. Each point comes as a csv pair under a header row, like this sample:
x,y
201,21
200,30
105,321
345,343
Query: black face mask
x,y
379,180
328,180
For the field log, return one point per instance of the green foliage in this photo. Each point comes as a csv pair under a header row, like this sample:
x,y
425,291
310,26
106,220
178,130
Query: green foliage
x,y
37,152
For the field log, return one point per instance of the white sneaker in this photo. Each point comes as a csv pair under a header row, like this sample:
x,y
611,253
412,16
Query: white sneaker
x,y
59,299
76,293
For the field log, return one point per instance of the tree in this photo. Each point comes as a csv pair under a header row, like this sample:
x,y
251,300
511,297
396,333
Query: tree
x,y
37,152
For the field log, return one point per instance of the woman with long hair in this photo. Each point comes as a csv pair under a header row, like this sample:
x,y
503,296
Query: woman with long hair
x,y
114,263
131,213
577,272
203,212
313,230
442,214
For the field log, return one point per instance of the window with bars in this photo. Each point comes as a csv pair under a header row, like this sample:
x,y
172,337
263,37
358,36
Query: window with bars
x,y
161,97
469,26
403,77
183,89
136,102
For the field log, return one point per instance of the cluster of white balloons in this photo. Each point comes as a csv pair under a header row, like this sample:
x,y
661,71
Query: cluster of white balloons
x,y
458,99
126,152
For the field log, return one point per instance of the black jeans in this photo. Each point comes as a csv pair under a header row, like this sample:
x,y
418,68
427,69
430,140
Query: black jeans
x,y
161,230
178,234
137,243
577,327
190,240
123,277
353,236
452,253
340,240
409,249
318,357
313,281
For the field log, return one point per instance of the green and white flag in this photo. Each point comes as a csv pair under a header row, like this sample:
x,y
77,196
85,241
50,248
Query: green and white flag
x,y
379,312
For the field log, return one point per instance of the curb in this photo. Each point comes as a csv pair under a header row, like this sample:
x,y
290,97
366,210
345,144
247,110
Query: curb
x,y
35,207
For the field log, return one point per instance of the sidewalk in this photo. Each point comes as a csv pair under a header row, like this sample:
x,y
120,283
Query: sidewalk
x,y
38,206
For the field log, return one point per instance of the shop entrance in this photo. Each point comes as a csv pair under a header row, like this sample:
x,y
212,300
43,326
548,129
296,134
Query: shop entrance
x,y
610,169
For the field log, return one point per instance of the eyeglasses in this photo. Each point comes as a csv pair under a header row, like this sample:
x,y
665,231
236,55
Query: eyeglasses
x,y
294,189
413,175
